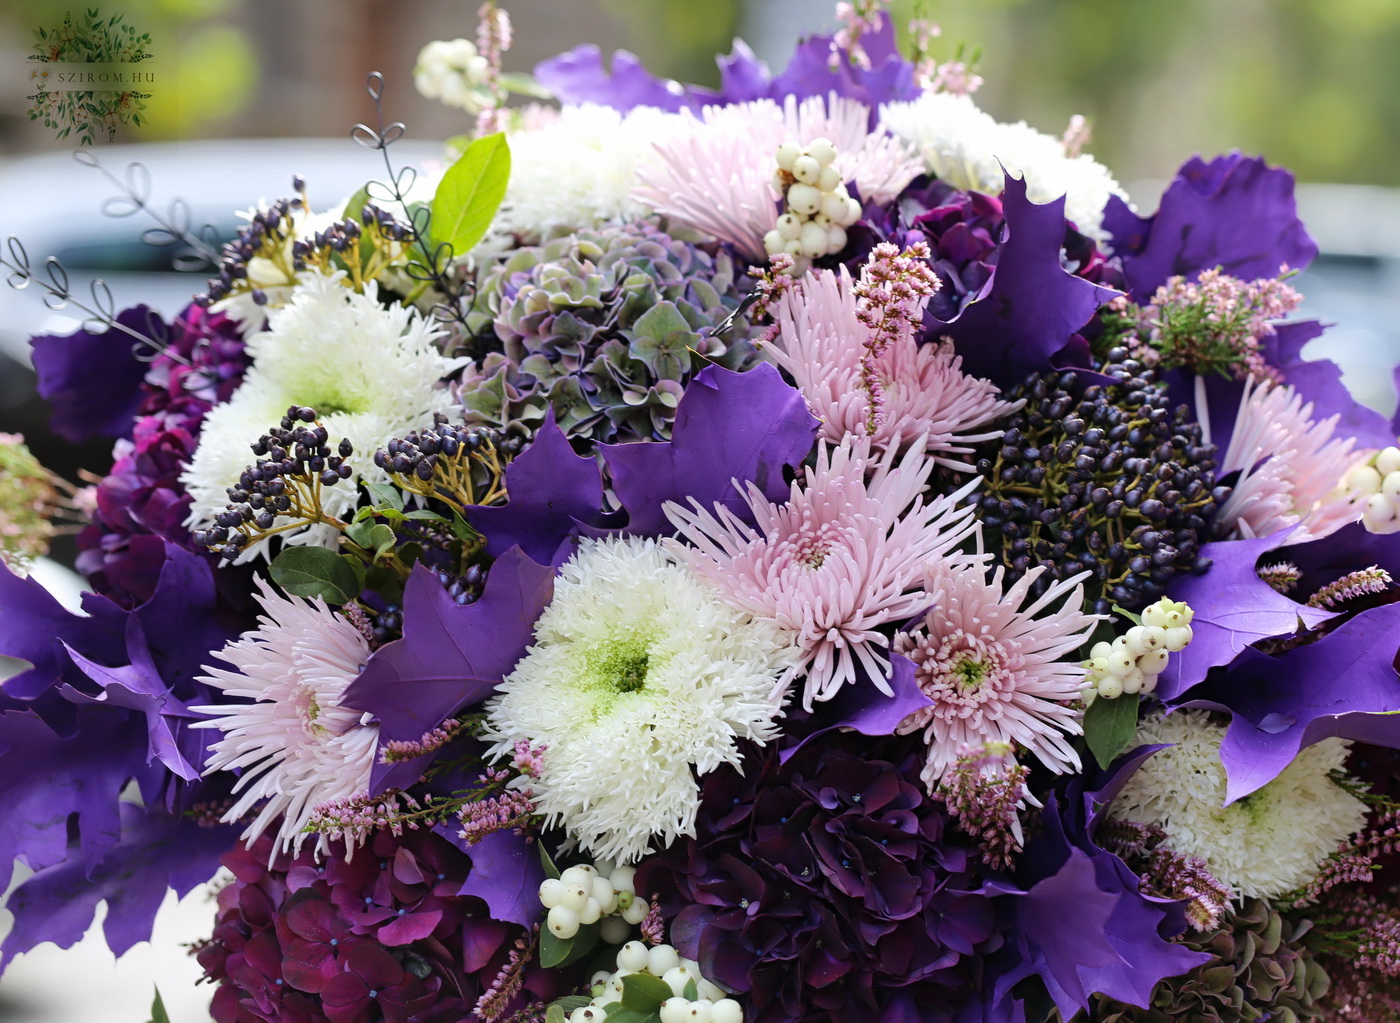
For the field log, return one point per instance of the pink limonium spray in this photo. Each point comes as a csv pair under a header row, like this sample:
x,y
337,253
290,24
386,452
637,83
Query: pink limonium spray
x,y
837,562
838,361
493,37
857,17
998,669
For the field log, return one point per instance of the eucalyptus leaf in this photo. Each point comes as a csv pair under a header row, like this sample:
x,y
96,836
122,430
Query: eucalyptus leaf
x,y
1109,726
470,192
315,572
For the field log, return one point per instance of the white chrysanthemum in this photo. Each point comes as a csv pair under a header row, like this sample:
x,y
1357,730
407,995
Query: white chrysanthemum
x,y
1263,845
370,371
577,170
295,745
640,680
968,148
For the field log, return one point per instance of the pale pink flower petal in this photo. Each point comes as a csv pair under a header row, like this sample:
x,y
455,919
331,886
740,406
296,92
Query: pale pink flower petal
x,y
295,744
1291,468
926,395
715,173
995,671
843,558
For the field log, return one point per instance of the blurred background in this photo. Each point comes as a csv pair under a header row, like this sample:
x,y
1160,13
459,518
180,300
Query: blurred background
x,y
249,91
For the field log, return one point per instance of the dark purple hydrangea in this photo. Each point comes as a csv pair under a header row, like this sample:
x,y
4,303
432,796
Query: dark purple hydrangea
x,y
141,499
825,888
382,936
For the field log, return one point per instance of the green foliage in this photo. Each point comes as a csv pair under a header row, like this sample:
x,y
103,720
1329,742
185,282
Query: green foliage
x,y
1109,727
158,1013
470,192
316,572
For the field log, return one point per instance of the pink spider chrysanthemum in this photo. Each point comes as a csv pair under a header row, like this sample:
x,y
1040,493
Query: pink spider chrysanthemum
x,y
1291,469
994,670
295,744
842,558
715,173
822,343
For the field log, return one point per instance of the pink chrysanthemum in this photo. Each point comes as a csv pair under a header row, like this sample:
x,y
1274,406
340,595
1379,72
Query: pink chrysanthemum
x,y
295,744
843,557
994,670
924,393
715,173
1290,468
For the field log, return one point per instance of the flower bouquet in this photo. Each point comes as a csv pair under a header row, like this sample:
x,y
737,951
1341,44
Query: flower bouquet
x,y
800,551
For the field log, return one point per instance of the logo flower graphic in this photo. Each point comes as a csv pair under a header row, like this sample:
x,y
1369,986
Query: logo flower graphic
x,y
89,39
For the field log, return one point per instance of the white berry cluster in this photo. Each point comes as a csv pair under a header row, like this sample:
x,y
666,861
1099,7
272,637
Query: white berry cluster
x,y
665,963
588,893
1376,484
819,209
1132,662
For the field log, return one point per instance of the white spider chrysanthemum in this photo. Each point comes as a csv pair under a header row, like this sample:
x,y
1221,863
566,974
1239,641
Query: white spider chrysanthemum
x,y
295,745
1271,841
968,148
600,148
371,373
640,680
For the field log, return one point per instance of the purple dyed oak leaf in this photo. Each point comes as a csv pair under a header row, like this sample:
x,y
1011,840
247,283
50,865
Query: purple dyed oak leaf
x,y
552,493
451,656
1344,685
1030,307
506,874
1319,381
156,853
1234,212
729,426
92,379
1233,608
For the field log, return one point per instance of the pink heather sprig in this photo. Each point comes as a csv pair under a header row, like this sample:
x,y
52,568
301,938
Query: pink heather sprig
x,y
984,795
508,980
397,750
493,38
1075,138
771,283
511,810
527,759
653,925
1354,860
893,289
922,33
1281,577
1167,874
356,817
1360,583
857,18
1216,323
355,615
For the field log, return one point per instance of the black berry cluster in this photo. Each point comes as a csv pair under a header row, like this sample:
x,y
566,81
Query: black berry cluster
x,y
452,461
1107,478
295,461
265,234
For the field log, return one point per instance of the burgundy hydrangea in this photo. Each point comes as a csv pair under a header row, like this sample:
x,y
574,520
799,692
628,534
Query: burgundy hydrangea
x,y
141,499
827,888
381,936
965,231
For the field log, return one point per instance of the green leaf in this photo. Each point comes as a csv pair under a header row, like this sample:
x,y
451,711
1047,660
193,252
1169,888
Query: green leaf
x,y
381,539
464,531
644,993
523,84
563,951
315,572
424,515
555,1014
386,496
355,206
626,1015
1109,726
158,1013
571,1002
1127,614
547,861
361,530
470,192
358,567
691,991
